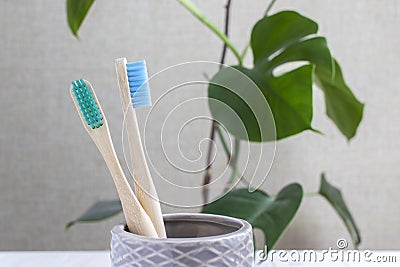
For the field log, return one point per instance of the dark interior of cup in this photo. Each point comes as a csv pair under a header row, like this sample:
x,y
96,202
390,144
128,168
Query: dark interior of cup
x,y
189,228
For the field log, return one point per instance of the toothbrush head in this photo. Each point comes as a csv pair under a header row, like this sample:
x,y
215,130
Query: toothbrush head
x,y
87,102
138,84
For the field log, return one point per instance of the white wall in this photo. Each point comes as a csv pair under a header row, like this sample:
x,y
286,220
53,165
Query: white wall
x,y
50,171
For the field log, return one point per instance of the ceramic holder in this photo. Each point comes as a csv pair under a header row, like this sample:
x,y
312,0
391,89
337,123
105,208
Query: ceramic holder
x,y
194,239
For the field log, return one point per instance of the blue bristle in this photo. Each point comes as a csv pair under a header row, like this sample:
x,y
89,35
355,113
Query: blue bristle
x,y
138,84
87,103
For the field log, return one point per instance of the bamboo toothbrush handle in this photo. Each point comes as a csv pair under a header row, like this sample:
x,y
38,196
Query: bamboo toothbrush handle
x,y
136,218
144,186
95,123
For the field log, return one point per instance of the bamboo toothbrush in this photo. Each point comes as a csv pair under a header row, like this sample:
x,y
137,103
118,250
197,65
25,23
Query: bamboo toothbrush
x,y
135,93
95,123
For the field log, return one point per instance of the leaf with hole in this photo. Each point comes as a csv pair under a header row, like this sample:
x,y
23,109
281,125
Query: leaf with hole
x,y
236,94
282,38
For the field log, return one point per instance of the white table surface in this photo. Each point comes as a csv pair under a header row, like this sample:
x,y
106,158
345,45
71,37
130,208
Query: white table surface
x,y
55,258
102,259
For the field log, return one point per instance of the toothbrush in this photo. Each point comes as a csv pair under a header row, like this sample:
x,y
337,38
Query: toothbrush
x,y
95,123
135,93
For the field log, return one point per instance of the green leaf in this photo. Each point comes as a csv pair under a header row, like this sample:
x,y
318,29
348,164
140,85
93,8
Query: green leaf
x,y
342,107
313,50
76,13
253,107
237,103
279,31
335,198
253,94
98,211
270,214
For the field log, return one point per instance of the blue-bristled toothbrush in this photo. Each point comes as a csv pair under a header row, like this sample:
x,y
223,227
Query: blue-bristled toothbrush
x,y
135,93
95,123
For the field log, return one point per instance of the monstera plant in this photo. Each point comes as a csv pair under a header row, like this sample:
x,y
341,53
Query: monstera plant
x,y
277,39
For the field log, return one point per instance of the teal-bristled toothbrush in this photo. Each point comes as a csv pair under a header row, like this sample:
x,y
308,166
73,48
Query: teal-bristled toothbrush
x,y
96,125
135,93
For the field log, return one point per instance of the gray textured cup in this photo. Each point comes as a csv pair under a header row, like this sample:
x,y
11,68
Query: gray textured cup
x,y
194,239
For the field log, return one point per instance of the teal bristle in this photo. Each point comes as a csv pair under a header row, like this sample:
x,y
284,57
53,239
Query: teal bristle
x,y
87,103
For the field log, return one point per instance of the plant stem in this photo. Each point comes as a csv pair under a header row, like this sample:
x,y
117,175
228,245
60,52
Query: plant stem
x,y
207,174
224,37
243,55
229,154
226,31
271,4
224,144
233,164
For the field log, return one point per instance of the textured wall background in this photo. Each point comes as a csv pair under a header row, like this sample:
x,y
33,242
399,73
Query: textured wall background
x,y
50,171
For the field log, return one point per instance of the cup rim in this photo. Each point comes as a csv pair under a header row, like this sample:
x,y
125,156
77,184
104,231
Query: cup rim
x,y
244,227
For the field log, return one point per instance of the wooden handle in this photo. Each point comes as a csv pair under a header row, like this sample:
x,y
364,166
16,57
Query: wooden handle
x,y
144,186
136,218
